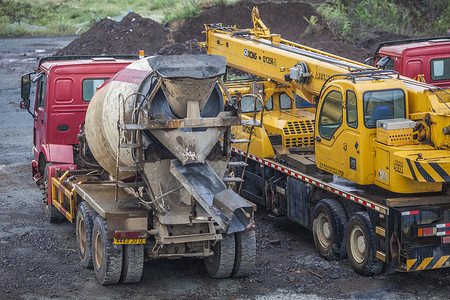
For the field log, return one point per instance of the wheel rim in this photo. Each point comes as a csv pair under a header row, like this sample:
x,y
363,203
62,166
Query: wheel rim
x,y
323,230
98,250
82,240
358,244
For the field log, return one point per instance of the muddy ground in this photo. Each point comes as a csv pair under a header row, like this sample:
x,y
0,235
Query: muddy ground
x,y
38,259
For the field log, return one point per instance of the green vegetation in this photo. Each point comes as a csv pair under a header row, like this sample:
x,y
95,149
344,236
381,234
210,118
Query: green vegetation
x,y
352,19
348,19
60,17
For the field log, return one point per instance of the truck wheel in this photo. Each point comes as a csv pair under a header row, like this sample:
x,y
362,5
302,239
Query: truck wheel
x,y
133,263
221,263
52,215
244,262
329,229
84,224
107,257
361,246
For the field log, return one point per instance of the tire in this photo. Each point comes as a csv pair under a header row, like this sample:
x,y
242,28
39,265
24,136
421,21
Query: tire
x,y
107,257
329,229
221,263
52,215
244,262
133,263
361,246
83,225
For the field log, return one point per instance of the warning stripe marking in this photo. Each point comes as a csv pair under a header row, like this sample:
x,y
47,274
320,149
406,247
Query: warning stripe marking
x,y
441,261
443,225
424,263
363,201
410,263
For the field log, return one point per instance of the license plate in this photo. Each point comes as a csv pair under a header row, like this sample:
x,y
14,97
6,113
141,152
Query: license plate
x,y
129,241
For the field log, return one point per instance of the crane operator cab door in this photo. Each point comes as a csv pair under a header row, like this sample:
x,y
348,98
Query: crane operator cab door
x,y
329,144
338,134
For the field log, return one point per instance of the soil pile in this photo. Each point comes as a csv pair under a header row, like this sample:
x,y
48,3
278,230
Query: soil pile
x,y
289,19
128,36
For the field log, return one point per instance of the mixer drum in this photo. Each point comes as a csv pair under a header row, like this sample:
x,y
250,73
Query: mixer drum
x,y
102,115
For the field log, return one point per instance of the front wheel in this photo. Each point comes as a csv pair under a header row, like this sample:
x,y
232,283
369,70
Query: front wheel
x,y
361,245
107,257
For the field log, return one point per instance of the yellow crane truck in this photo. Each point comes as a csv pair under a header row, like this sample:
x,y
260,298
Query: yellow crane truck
x,y
365,165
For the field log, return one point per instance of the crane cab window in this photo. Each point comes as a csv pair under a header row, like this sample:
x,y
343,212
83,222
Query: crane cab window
x,y
382,105
440,68
248,104
352,109
286,102
90,86
330,118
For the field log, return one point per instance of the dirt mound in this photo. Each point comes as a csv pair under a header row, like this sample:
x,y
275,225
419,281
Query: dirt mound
x,y
285,18
188,47
128,36
134,33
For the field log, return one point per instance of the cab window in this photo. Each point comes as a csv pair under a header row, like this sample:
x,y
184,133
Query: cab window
x,y
248,104
330,118
41,92
352,109
381,105
440,68
285,101
90,86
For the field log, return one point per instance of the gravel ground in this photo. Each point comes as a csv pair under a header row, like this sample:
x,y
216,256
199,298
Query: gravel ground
x,y
38,259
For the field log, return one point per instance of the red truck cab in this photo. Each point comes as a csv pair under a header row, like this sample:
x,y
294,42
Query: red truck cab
x,y
65,85
427,59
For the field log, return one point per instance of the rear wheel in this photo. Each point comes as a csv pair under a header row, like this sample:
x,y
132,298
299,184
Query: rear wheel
x,y
244,262
361,246
84,225
133,263
329,229
107,257
221,263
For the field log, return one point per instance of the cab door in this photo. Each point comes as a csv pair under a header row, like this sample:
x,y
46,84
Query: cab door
x,y
40,119
329,144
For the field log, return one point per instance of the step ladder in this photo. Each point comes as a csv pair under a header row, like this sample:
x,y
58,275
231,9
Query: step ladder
x,y
252,123
134,145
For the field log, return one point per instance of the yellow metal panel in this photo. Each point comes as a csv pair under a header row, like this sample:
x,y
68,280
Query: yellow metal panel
x,y
441,261
424,263
410,263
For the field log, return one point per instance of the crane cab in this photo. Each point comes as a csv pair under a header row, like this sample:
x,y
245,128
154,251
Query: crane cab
x,y
346,120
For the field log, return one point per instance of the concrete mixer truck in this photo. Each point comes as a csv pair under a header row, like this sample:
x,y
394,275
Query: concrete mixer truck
x,y
137,161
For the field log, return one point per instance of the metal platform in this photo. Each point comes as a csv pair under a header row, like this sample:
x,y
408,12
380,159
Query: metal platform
x,y
100,197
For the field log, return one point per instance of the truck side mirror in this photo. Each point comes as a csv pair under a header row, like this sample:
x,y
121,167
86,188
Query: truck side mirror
x,y
25,89
383,62
25,104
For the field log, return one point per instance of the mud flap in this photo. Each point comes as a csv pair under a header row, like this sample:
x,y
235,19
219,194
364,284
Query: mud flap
x,y
228,209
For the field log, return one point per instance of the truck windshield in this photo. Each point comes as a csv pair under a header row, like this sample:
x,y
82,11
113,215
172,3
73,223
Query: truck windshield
x,y
381,105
